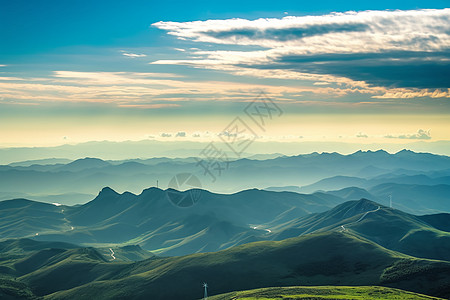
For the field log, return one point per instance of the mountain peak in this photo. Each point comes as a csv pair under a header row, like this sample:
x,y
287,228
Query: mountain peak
x,y
369,152
151,190
352,208
107,191
85,163
88,160
405,151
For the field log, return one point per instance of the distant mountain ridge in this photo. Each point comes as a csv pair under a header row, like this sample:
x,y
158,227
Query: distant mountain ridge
x,y
67,183
219,221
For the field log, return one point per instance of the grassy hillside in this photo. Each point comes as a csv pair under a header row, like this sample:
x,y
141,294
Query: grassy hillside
x,y
388,227
11,289
329,258
324,293
318,259
149,219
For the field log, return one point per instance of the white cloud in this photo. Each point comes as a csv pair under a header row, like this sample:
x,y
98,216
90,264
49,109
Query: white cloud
x,y
414,93
133,55
140,90
350,33
419,135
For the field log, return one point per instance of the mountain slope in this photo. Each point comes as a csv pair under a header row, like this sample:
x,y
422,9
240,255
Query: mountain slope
x,y
388,227
323,293
318,259
214,223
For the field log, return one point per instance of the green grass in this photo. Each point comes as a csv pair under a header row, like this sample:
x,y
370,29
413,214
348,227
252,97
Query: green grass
x,y
323,292
321,259
333,259
10,288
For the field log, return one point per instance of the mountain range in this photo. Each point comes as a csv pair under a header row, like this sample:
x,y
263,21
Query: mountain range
x,y
78,181
62,271
220,221
359,226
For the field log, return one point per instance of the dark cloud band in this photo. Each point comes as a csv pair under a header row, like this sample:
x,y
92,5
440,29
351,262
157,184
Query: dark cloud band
x,y
286,34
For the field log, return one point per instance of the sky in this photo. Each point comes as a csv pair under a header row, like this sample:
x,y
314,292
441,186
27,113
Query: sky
x,y
315,72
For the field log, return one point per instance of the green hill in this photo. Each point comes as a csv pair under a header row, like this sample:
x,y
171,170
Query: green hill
x,y
385,226
324,293
216,222
331,258
328,258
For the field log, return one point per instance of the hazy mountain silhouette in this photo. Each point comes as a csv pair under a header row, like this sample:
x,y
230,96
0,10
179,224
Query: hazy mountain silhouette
x,y
216,222
311,172
331,258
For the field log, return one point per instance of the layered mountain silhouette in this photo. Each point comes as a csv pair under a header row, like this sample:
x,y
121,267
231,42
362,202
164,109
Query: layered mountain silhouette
x,y
220,221
79,181
331,258
370,220
216,222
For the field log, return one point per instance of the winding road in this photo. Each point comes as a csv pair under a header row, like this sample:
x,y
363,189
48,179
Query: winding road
x,y
112,254
371,211
359,220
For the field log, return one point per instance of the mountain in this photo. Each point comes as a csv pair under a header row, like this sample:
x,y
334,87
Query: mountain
x,y
335,183
415,198
215,222
83,164
47,161
25,218
219,221
352,193
291,188
331,258
387,227
340,182
439,221
325,171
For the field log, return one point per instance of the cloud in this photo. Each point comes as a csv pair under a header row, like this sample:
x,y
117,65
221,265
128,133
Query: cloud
x,y
420,135
288,33
227,134
181,134
362,135
165,135
369,51
141,90
2,65
414,93
133,55
349,32
150,106
408,69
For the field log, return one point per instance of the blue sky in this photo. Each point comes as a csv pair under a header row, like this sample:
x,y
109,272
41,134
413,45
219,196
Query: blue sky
x,y
71,70
37,27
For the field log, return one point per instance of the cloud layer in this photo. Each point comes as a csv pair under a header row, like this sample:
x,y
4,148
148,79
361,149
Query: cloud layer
x,y
404,50
419,135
